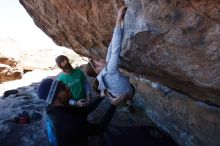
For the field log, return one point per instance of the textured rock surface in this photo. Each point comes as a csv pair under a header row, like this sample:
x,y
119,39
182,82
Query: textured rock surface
x,y
177,43
174,42
75,24
26,100
10,63
190,122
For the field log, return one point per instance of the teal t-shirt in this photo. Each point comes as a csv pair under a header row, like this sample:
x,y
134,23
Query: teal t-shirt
x,y
75,81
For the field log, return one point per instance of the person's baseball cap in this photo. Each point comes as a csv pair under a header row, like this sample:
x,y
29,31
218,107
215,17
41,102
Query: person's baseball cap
x,y
47,90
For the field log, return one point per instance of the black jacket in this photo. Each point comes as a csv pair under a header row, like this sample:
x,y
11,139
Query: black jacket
x,y
71,125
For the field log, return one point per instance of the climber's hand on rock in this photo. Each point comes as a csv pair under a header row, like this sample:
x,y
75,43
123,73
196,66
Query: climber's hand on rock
x,y
122,12
121,15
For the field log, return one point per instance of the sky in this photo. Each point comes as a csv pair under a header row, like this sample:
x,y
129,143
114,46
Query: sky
x,y
16,24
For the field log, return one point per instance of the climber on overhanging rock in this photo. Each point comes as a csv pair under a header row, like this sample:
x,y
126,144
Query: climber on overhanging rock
x,y
75,79
67,125
108,77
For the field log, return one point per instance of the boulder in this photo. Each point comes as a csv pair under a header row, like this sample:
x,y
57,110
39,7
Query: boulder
x,y
10,63
84,25
189,122
174,42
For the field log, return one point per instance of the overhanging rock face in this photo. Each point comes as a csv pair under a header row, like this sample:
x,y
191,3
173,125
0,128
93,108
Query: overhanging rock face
x,y
174,42
79,25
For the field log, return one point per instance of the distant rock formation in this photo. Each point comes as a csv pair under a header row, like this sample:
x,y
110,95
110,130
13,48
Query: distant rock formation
x,y
15,61
174,42
45,58
10,61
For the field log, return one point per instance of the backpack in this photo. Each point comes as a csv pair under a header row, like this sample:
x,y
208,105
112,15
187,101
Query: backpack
x,y
51,131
